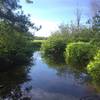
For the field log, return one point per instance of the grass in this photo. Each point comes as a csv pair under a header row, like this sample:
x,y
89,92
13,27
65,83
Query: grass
x,y
38,41
37,44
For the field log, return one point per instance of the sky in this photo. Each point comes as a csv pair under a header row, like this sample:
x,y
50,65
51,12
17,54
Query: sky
x,y
51,13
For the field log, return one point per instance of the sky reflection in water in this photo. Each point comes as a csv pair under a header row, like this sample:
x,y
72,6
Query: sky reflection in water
x,y
44,81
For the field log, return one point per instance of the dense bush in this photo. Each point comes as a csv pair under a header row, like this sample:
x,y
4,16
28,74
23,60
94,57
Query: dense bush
x,y
79,53
15,44
54,45
15,47
84,35
96,40
93,67
37,44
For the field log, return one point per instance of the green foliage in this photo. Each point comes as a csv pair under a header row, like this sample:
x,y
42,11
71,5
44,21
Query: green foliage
x,y
54,45
93,67
15,47
11,11
96,39
84,35
37,44
81,44
15,44
79,53
73,34
39,38
38,41
15,40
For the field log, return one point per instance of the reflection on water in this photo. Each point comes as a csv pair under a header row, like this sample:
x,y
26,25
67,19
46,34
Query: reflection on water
x,y
47,79
10,82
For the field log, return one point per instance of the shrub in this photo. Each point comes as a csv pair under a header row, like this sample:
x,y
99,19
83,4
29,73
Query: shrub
x,y
79,53
54,45
96,40
37,44
93,67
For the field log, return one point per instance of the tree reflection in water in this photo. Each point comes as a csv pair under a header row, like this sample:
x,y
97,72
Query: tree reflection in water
x,y
58,62
23,83
80,73
10,82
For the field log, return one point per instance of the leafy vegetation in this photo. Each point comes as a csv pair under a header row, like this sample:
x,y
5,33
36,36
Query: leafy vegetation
x,y
54,45
78,44
93,67
37,44
15,39
79,53
15,47
39,38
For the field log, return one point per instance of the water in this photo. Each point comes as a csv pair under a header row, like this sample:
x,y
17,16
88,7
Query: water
x,y
45,80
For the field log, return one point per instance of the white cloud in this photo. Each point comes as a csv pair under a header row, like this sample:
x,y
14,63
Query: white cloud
x,y
47,27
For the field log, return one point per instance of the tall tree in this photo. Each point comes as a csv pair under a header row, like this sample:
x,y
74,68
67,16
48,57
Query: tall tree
x,y
78,17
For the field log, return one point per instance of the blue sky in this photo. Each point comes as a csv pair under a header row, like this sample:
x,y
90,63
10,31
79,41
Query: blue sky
x,y
51,13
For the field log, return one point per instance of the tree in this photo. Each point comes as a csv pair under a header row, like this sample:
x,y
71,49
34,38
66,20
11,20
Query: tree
x,y
15,40
95,7
78,17
19,20
96,22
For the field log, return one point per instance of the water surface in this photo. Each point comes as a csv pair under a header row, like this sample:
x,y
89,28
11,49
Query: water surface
x,y
44,80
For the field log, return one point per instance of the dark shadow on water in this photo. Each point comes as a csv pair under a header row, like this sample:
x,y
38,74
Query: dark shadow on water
x,y
11,80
